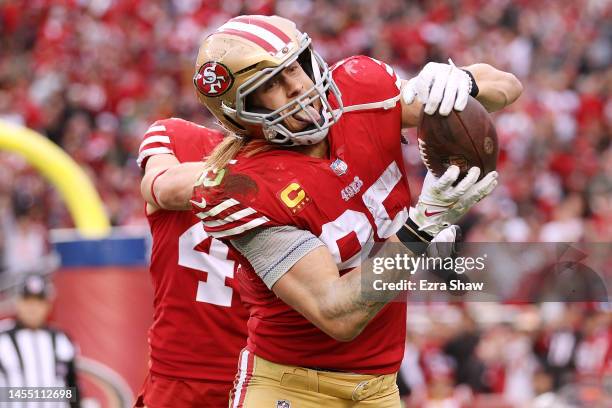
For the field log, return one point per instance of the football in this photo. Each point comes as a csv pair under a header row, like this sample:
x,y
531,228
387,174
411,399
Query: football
x,y
465,139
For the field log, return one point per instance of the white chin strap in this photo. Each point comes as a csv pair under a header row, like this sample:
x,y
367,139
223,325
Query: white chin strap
x,y
316,137
316,69
386,105
275,137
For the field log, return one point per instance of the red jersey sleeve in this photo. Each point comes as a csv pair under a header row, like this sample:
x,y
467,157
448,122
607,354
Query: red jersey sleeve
x,y
223,216
156,140
365,80
183,139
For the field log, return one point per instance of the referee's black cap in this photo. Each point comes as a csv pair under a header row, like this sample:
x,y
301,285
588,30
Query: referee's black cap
x,y
35,286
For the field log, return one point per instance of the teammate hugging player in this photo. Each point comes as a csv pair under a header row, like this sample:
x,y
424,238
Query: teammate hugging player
x,y
199,324
279,192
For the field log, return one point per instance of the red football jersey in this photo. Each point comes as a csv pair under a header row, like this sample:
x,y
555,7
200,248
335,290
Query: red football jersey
x,y
357,195
199,323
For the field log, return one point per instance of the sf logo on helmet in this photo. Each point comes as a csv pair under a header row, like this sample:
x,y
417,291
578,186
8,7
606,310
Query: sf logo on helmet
x,y
213,79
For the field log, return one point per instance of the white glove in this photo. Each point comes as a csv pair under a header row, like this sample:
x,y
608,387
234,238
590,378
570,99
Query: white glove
x,y
448,235
441,205
440,85
444,244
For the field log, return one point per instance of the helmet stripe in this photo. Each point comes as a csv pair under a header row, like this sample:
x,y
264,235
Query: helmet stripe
x,y
263,24
262,33
251,37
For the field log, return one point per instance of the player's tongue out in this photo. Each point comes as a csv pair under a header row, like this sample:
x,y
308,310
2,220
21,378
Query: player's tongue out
x,y
303,115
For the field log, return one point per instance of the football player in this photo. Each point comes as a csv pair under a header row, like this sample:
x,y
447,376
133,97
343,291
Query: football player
x,y
313,173
199,323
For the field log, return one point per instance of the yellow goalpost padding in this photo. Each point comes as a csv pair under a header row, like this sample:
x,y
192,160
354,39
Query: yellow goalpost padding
x,y
75,187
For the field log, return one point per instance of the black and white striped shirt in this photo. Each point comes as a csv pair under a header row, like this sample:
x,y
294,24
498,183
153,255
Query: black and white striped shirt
x,y
36,358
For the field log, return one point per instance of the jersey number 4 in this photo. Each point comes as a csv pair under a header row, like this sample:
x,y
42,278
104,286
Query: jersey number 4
x,y
214,263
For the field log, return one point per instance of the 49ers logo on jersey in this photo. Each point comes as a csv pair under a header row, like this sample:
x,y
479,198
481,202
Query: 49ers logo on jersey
x,y
213,79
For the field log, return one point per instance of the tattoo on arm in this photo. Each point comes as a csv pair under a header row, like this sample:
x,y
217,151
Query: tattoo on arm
x,y
346,299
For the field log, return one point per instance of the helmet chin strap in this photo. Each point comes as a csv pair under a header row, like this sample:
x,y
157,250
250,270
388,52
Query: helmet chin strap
x,y
271,135
327,115
316,70
309,139
276,137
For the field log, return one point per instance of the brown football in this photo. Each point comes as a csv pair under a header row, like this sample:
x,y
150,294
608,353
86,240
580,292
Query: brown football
x,y
465,139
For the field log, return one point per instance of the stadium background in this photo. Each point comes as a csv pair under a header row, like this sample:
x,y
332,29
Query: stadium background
x,y
91,75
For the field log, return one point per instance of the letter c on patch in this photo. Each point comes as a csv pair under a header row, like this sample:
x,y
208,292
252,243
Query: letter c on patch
x,y
299,196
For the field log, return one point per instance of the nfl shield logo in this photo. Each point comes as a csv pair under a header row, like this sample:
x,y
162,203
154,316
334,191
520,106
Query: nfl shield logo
x,y
283,404
339,167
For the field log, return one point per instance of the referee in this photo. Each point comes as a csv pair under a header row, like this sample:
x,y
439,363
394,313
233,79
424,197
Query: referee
x,y
32,354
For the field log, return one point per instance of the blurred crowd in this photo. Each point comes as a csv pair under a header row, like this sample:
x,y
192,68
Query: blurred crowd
x,y
489,355
91,75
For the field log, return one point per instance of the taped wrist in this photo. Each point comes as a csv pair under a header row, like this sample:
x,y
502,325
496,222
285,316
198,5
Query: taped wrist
x,y
473,86
415,240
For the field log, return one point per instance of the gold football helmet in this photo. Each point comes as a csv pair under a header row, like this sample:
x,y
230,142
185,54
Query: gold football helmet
x,y
242,55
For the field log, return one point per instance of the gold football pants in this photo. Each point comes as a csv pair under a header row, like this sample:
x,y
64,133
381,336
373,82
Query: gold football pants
x,y
262,384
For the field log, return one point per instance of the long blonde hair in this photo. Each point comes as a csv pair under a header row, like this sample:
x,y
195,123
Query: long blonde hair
x,y
231,146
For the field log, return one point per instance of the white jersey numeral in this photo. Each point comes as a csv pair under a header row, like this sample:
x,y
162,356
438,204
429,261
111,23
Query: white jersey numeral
x,y
349,221
377,193
357,222
214,263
